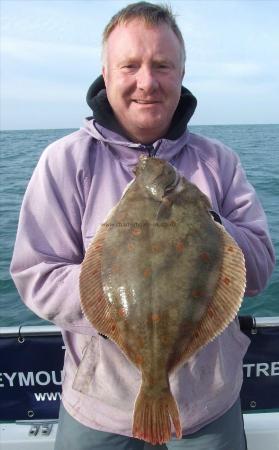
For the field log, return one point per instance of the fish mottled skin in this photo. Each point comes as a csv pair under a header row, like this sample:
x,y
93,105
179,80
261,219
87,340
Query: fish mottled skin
x,y
165,273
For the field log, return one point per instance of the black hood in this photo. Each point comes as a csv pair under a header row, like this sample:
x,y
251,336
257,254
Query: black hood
x,y
102,111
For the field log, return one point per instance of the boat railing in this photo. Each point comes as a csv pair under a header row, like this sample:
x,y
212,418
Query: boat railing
x,y
32,369
30,330
247,323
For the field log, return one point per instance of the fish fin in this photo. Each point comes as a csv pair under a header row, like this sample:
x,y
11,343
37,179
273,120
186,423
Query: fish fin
x,y
152,417
96,308
226,301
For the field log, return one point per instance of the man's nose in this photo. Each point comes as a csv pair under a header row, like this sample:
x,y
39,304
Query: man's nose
x,y
146,79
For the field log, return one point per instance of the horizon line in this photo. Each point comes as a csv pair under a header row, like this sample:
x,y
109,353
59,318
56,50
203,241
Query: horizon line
x,y
190,125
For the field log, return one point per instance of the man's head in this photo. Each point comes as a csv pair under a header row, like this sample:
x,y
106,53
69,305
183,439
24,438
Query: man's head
x,y
143,67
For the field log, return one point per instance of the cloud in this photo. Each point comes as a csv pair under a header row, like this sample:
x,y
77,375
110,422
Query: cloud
x,y
44,92
241,69
44,53
47,72
234,72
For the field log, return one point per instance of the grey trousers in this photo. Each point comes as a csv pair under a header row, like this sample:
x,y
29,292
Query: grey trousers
x,y
225,433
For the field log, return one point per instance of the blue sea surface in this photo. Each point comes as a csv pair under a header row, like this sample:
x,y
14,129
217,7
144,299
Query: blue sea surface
x,y
257,146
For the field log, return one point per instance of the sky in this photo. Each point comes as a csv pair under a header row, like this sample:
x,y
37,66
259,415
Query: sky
x,y
50,54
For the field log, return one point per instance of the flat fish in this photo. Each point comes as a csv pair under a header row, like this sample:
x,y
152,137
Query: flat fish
x,y
161,279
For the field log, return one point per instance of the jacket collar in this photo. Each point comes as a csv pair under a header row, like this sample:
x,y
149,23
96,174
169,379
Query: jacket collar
x,y
128,152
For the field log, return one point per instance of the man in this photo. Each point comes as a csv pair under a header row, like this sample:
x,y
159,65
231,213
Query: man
x,y
139,107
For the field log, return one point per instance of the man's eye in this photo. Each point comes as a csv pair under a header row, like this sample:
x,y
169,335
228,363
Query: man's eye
x,y
129,66
162,66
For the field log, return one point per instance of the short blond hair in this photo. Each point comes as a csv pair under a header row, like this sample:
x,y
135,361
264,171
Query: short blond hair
x,y
152,14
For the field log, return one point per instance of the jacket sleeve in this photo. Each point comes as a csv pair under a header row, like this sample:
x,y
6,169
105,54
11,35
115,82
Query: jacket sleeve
x,y
48,249
243,217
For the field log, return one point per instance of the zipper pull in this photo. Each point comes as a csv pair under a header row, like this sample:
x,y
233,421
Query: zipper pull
x,y
151,150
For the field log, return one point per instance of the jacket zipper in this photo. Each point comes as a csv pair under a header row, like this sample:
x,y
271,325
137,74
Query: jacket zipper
x,y
150,149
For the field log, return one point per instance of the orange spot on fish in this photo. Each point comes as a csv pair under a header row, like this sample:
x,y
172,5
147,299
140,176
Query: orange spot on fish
x,y
138,358
147,272
136,231
227,281
131,247
155,317
120,217
113,328
230,249
156,248
180,247
196,293
122,312
140,341
205,257
164,340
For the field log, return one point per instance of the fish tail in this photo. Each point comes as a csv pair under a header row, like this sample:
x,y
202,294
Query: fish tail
x,y
152,417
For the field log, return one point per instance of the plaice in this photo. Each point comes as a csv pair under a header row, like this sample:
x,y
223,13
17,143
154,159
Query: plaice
x,y
161,279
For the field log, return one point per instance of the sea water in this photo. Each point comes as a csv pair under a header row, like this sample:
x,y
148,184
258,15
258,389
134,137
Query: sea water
x,y
257,146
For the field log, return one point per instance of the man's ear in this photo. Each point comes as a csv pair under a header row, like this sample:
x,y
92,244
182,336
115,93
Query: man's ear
x,y
104,73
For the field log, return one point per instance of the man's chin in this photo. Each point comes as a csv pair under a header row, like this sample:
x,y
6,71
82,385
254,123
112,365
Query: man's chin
x,y
150,123
146,133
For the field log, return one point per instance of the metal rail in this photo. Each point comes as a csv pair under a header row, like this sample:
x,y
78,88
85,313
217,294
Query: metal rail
x,y
263,322
246,323
30,330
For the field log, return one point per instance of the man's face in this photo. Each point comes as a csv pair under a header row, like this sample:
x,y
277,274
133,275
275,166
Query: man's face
x,y
143,72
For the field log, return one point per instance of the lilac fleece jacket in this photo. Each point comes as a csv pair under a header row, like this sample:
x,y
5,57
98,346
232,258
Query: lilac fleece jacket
x,y
78,179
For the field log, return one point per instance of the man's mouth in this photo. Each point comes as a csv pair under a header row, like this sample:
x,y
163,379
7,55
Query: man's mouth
x,y
146,102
